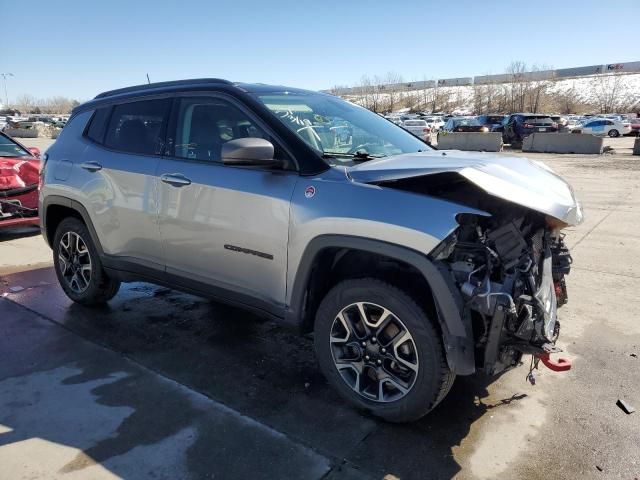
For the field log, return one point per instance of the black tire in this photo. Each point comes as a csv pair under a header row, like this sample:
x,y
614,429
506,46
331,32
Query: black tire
x,y
433,379
613,133
100,288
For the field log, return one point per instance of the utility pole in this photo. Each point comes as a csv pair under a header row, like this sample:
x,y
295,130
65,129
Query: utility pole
x,y
4,78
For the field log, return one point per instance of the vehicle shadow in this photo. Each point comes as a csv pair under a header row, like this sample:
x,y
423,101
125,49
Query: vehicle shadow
x,y
18,232
269,373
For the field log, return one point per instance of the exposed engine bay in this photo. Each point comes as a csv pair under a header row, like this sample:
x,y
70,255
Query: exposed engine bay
x,y
509,268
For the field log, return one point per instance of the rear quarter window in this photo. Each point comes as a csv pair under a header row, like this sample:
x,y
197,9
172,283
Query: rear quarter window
x,y
138,127
97,124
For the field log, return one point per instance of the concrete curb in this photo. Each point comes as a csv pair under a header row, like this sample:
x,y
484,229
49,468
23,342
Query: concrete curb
x,y
470,141
21,132
563,143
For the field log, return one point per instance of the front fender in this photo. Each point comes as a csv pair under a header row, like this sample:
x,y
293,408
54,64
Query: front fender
x,y
456,329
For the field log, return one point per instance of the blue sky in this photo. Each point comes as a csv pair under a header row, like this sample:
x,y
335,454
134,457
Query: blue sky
x,y
79,48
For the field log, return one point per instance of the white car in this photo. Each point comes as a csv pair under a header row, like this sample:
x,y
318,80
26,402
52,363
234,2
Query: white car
x,y
604,126
435,123
417,127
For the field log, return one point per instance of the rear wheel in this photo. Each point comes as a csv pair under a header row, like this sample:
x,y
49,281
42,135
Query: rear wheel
x,y
614,133
78,266
380,350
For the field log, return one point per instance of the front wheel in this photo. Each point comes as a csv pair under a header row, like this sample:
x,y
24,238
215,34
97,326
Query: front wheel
x,y
613,133
380,350
78,266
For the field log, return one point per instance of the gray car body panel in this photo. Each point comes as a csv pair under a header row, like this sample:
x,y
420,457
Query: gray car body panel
x,y
515,179
340,206
229,227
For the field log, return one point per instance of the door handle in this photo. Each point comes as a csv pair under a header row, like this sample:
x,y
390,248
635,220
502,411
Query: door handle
x,y
175,179
91,166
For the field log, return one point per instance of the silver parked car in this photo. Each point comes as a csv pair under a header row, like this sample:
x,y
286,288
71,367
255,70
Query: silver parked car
x,y
419,128
410,265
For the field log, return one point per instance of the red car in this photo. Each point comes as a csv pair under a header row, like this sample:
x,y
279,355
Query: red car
x,y
19,177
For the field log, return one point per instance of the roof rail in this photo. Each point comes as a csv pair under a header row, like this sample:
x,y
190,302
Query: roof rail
x,y
149,86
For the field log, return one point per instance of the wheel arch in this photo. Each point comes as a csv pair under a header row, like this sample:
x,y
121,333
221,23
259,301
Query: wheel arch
x,y
55,209
325,252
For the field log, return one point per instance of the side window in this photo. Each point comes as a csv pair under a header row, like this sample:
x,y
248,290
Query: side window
x,y
98,123
138,127
609,122
204,124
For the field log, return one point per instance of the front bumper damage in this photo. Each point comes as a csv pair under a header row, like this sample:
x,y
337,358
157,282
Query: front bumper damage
x,y
511,279
18,193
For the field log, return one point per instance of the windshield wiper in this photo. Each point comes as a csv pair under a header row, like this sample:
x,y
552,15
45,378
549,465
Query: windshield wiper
x,y
359,155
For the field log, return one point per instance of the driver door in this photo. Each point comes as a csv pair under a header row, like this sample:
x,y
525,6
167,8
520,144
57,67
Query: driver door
x,y
223,226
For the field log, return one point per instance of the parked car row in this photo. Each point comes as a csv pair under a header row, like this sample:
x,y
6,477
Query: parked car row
x,y
517,126
28,122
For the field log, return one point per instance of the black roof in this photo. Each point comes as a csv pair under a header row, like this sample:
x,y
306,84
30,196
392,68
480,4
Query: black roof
x,y
203,82
159,85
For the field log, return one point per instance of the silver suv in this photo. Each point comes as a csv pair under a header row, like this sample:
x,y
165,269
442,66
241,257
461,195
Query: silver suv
x,y
410,265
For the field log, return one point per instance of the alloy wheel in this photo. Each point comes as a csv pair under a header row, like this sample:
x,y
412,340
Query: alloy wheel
x,y
75,262
374,352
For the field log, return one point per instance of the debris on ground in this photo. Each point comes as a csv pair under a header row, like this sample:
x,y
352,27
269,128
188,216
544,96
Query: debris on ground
x,y
633,355
599,468
626,408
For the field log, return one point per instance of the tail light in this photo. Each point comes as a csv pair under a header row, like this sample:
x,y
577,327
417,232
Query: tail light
x,y
527,125
554,125
426,130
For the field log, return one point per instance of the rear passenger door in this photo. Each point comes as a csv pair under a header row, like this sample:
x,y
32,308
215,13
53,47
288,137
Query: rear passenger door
x,y
223,226
118,179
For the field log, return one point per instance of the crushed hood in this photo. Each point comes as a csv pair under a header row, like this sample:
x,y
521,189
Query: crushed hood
x,y
18,173
515,179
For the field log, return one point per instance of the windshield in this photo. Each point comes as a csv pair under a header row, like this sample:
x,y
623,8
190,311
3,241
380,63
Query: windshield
x,y
343,132
470,122
494,118
11,149
538,119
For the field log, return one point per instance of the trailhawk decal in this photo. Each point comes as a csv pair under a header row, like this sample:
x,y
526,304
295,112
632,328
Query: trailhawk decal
x,y
235,248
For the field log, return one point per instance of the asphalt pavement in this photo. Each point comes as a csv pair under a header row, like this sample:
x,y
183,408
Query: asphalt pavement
x,y
159,384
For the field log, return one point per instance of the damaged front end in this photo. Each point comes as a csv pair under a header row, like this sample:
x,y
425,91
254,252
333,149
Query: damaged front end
x,y
508,261
18,192
510,272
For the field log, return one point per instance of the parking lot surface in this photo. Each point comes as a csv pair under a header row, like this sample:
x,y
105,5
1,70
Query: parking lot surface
x,y
159,384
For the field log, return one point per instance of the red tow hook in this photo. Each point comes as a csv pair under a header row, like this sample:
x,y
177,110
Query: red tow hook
x,y
560,365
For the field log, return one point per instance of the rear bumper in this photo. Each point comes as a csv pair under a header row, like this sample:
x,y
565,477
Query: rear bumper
x,y
19,222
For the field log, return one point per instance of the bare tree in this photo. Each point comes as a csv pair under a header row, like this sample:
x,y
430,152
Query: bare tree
x,y
392,80
518,85
609,92
537,87
25,103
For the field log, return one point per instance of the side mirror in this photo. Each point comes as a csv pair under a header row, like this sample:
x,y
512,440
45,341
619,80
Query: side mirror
x,y
35,151
249,151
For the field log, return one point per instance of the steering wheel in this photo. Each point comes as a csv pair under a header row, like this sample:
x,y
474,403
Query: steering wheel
x,y
359,147
313,136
